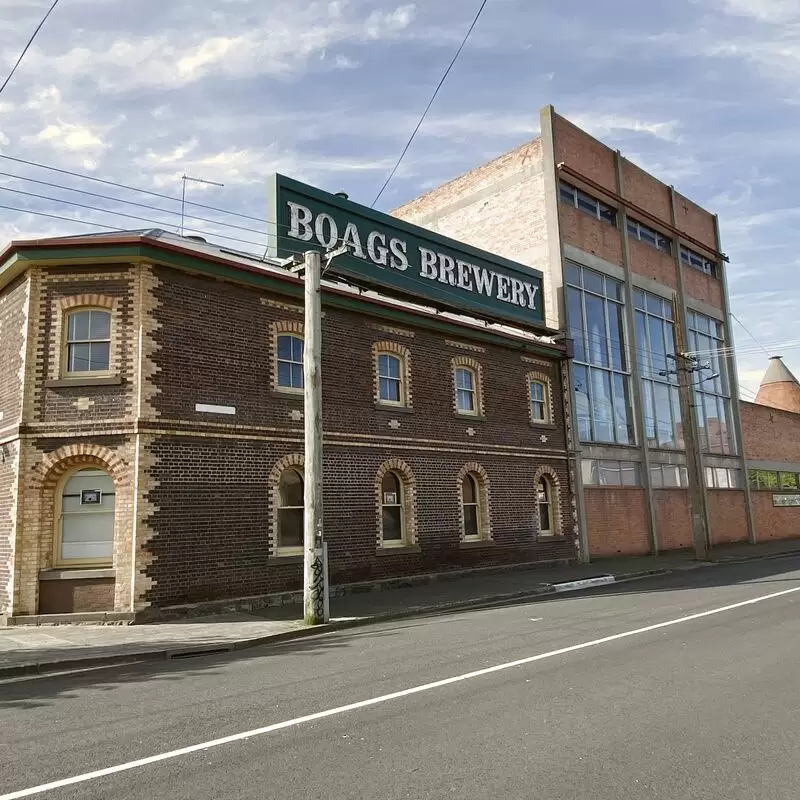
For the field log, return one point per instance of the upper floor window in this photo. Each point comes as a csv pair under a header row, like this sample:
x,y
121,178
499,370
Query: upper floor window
x,y
649,236
578,199
390,378
88,341
466,391
538,395
696,261
290,361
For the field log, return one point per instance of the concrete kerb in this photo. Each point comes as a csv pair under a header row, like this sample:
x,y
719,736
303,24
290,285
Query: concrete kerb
x,y
66,666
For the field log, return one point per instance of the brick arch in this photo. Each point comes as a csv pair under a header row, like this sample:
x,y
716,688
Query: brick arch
x,y
88,301
404,354
477,470
297,461
409,481
549,474
55,465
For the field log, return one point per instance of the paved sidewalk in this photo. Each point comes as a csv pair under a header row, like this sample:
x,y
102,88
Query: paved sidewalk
x,y
31,650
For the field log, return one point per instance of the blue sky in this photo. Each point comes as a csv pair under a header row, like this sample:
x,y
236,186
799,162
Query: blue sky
x,y
703,93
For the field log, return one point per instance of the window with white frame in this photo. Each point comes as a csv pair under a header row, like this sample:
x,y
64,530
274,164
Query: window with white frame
x,y
471,507
572,196
391,381
291,506
601,374
290,361
693,259
655,348
538,395
544,506
86,519
712,392
644,233
88,341
393,523
466,390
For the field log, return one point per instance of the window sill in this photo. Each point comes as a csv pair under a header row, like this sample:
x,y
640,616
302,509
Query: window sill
x,y
549,537
76,573
470,544
549,425
288,558
87,380
465,415
296,393
400,409
391,550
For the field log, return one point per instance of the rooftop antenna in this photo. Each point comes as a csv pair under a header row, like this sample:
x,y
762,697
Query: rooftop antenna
x,y
185,178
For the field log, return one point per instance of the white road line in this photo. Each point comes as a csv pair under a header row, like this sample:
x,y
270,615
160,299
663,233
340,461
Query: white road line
x,y
373,701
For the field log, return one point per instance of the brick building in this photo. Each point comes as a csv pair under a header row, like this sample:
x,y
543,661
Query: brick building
x,y
626,258
151,430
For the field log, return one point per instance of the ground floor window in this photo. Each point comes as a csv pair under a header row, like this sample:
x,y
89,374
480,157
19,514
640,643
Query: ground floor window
x,y
544,503
86,519
290,510
392,517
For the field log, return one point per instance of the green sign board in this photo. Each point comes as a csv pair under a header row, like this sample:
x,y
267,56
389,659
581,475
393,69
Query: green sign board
x,y
385,253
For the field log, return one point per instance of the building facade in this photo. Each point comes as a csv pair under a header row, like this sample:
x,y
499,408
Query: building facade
x,y
151,430
630,264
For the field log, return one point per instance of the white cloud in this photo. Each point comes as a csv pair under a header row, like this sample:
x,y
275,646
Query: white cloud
x,y
603,124
774,11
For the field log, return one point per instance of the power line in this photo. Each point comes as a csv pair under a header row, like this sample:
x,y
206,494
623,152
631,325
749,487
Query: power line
x,y
430,103
749,334
30,42
60,217
130,188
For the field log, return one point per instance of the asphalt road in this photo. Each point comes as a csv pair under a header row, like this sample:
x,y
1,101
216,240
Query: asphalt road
x,y
705,707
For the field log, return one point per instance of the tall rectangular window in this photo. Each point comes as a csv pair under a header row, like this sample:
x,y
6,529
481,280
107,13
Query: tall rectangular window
x,y
655,343
712,391
595,311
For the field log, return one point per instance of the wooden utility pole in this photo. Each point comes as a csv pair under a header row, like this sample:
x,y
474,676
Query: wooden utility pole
x,y
685,367
315,578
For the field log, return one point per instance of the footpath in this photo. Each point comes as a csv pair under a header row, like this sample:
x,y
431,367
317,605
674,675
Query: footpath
x,y
54,649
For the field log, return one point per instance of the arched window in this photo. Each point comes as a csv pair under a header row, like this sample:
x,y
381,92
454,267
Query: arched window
x,y
86,520
471,506
290,362
88,341
544,504
466,393
393,524
290,510
391,379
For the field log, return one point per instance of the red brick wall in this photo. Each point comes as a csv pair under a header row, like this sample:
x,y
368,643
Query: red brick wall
x,y
727,517
772,522
645,191
695,221
652,263
770,434
784,395
703,287
583,153
673,518
616,521
589,234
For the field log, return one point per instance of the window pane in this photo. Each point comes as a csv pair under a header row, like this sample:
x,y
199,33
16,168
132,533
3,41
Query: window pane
x,y
770,479
656,476
602,406
721,478
537,391
567,194
291,488
284,373
648,406
297,376
675,403
629,472
471,521
290,527
545,525
658,353
608,214
596,330
587,204
79,326
464,379
593,281
390,485
788,480
389,389
87,536
638,299
573,275
623,413
285,348
99,325
672,476
466,400
538,412
589,472
468,490
684,473
575,315
392,526
647,235
79,358
642,344
663,415
581,379
615,336
609,473
297,349
389,366
99,353
712,424
633,228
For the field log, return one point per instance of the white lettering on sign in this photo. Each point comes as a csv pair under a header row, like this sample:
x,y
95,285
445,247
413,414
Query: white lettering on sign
x,y
433,265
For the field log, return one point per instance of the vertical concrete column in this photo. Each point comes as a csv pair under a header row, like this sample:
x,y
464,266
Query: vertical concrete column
x,y
633,348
